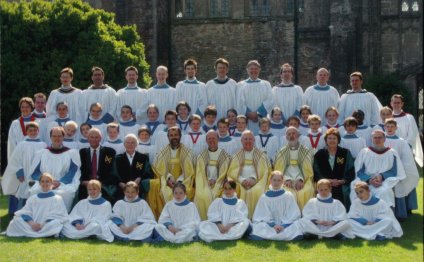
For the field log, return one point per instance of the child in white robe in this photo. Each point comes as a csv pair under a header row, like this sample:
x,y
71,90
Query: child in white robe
x,y
331,117
62,116
227,217
144,145
278,123
112,139
153,122
315,137
276,214
266,141
179,219
42,216
95,119
232,120
350,140
370,217
71,128
127,124
89,216
324,216
17,174
132,218
304,111
195,140
83,141
184,110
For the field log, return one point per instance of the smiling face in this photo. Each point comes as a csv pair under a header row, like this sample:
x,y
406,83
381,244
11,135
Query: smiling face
x,y
332,141
212,141
93,191
265,127
126,114
161,76
314,125
397,104
332,117
144,136
95,112
350,129
66,79
183,112
385,114
62,111
232,118
221,70
26,109
286,74
40,104
253,71
174,138
178,194
56,138
248,141
130,145
241,124
97,77
195,125
277,116
112,132
304,115
131,76
190,71
131,193
32,132
356,82
276,182
322,77
222,129
210,119
170,120
46,183
94,138
152,114
228,190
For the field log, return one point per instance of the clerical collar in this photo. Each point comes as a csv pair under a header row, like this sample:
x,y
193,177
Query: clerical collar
x,y
221,82
45,194
319,87
191,81
250,80
379,151
275,193
328,199
372,200
294,147
58,150
136,199
183,202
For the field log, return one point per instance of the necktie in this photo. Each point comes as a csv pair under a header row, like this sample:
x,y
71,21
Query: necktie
x,y
94,165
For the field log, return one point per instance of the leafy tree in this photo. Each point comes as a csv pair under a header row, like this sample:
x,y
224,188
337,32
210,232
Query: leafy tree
x,y
39,38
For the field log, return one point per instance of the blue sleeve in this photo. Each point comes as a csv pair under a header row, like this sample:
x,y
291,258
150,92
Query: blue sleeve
x,y
75,222
314,221
26,218
286,225
199,113
271,224
69,176
392,171
362,175
20,173
296,113
377,220
117,221
37,173
360,220
48,220
167,224
262,111
139,223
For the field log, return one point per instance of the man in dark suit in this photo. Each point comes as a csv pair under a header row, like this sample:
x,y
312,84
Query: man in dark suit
x,y
98,162
133,166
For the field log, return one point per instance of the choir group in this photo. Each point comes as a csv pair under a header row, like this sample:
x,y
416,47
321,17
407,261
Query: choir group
x,y
257,161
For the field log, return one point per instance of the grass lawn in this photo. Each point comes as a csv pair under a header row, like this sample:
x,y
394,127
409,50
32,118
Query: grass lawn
x,y
407,248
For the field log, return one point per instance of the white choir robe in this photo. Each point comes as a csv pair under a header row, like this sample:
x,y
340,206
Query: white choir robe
x,y
83,143
20,165
182,216
314,141
375,210
136,98
225,211
320,98
254,96
269,144
116,144
289,98
73,99
196,142
129,127
354,143
164,97
222,94
365,132
369,163
64,167
45,208
131,213
278,129
161,140
147,149
16,135
93,214
154,128
405,186
184,125
276,208
228,144
303,128
408,130
365,101
100,124
106,96
325,209
194,93
70,143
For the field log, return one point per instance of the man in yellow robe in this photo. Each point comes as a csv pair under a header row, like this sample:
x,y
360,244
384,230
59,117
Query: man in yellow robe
x,y
211,171
294,161
173,164
250,168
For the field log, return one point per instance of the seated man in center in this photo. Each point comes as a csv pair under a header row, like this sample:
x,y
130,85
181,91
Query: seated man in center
x,y
250,168
173,164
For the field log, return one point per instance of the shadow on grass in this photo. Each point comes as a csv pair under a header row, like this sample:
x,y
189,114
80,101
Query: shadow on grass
x,y
220,245
336,244
258,243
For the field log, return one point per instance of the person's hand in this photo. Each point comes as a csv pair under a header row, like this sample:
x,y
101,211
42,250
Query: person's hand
x,y
252,182
376,181
288,183
122,185
21,179
137,181
79,226
173,229
245,184
170,182
299,185
35,226
56,184
370,222
221,228
278,228
211,183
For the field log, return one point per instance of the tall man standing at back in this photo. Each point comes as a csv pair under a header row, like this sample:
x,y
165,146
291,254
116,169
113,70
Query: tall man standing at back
x,y
191,90
321,95
222,90
255,96
132,95
101,93
358,98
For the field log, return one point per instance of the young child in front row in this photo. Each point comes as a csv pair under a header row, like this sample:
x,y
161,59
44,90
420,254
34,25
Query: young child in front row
x,y
132,218
89,216
179,219
324,216
276,214
227,217
43,214
370,217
